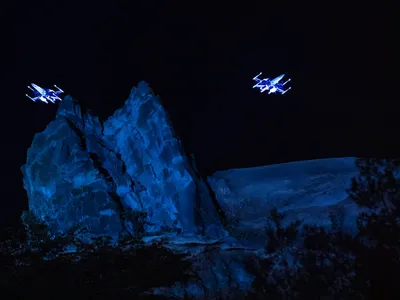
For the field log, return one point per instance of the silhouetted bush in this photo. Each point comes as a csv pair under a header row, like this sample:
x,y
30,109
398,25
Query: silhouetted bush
x,y
378,262
332,264
38,267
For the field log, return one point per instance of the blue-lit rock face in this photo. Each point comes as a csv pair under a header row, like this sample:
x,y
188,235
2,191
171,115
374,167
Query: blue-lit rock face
x,y
103,176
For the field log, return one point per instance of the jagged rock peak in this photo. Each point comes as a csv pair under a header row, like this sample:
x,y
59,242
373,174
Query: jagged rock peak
x,y
106,177
69,106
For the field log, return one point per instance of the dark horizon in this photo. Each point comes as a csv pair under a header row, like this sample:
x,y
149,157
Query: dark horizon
x,y
201,65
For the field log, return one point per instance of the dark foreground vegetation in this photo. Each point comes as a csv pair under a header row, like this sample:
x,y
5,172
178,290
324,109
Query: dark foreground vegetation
x,y
302,262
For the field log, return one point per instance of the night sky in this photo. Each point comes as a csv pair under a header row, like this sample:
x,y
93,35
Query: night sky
x,y
201,61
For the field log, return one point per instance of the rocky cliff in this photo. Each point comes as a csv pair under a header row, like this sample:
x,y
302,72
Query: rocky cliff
x,y
127,175
130,176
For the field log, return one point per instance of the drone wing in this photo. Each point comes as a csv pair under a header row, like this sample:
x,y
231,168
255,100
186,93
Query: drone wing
x,y
34,99
51,99
256,77
284,91
59,90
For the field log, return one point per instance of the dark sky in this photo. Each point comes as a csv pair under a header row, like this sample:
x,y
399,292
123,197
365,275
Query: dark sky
x,y
201,60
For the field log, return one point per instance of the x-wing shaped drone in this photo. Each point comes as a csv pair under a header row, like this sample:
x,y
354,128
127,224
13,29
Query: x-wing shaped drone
x,y
271,85
44,94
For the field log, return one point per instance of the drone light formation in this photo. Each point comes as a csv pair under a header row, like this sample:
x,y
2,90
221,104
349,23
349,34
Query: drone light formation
x,y
43,94
271,85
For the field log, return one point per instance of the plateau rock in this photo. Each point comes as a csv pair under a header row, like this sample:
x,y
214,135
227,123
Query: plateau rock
x,y
309,191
